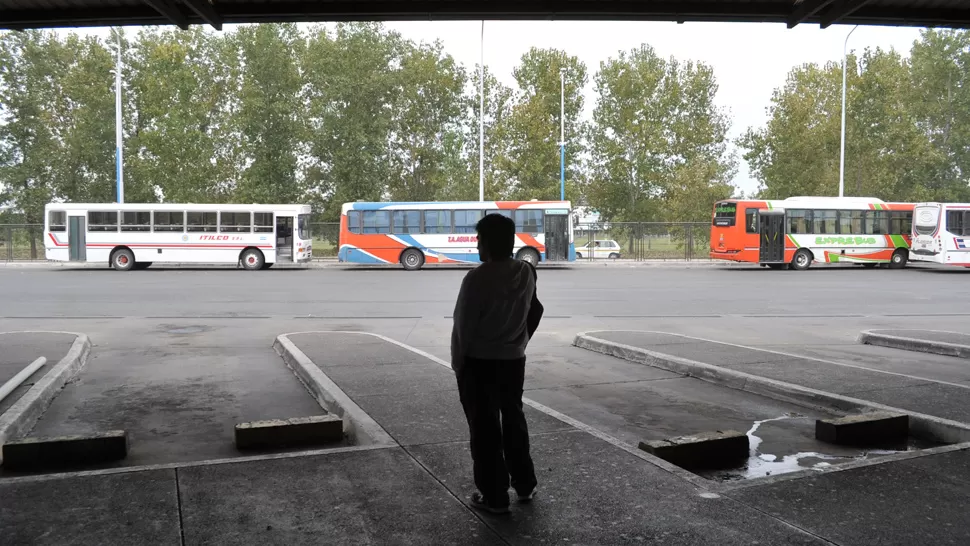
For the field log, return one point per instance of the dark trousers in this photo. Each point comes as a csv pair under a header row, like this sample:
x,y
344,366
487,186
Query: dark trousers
x,y
491,395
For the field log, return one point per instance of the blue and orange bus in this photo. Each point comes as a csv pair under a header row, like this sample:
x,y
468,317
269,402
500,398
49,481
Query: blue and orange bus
x,y
419,233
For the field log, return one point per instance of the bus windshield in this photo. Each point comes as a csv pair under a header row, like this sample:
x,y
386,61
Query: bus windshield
x,y
925,220
724,214
303,226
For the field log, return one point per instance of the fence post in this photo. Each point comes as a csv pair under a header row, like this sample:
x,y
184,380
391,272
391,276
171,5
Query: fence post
x,y
8,242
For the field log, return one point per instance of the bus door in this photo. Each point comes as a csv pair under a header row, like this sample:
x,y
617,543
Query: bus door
x,y
557,235
284,238
76,237
772,243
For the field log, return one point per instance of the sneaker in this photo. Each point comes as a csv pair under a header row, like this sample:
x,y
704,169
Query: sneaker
x,y
479,502
527,497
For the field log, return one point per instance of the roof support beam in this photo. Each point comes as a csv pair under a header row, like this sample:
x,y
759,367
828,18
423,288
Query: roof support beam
x,y
205,10
170,11
840,9
806,9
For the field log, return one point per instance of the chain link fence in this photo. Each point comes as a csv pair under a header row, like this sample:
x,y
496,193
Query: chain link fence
x,y
635,241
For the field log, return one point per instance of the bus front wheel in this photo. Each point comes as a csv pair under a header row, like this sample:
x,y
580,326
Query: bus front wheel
x,y
898,261
122,259
252,259
412,259
529,255
802,260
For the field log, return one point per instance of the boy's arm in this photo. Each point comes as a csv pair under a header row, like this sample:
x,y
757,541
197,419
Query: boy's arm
x,y
466,317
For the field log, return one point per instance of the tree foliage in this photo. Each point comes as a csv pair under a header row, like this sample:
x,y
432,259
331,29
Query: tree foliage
x,y
906,119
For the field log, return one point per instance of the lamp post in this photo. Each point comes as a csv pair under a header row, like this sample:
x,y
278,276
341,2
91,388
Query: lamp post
x,y
481,118
562,134
119,138
842,154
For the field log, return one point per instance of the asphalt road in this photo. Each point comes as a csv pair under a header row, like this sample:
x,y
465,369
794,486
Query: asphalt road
x,y
609,292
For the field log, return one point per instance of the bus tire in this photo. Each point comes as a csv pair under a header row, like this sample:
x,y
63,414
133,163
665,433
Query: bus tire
x,y
252,259
122,259
267,265
802,260
614,256
412,259
899,259
529,255
579,255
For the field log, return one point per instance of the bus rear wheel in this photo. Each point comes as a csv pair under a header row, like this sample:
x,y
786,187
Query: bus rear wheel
x,y
899,259
802,260
252,259
529,255
122,259
412,259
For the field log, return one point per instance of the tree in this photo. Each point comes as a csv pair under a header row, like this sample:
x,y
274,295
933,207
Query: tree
x,y
270,113
425,138
180,87
532,163
350,91
658,141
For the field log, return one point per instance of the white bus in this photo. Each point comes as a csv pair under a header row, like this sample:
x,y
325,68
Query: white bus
x,y
941,233
134,236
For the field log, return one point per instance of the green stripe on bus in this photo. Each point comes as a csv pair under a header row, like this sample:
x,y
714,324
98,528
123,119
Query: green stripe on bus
x,y
899,241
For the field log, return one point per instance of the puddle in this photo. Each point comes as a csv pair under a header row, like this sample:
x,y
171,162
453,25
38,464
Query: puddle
x,y
767,464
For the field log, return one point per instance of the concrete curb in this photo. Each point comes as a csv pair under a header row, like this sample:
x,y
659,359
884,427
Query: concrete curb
x,y
21,417
921,425
359,427
874,337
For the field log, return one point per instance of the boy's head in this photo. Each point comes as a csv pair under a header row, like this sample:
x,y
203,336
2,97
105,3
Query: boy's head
x,y
496,237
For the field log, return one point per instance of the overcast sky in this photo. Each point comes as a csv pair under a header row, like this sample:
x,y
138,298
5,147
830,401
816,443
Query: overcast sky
x,y
750,60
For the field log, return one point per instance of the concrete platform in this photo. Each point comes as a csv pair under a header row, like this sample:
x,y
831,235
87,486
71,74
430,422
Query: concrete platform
x,y
705,450
926,341
920,501
18,349
915,394
50,454
868,429
177,393
316,430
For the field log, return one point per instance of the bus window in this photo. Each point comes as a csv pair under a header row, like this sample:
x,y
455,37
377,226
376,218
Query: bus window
x,y
751,220
235,222
877,222
103,221
57,221
263,221
466,220
528,221
505,213
353,221
956,222
799,221
406,222
437,221
136,221
824,222
851,222
169,221
377,221
204,222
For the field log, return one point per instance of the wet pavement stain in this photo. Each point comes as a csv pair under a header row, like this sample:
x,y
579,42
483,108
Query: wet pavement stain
x,y
760,464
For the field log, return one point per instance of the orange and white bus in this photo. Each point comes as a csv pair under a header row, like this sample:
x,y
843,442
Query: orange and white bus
x,y
799,231
414,234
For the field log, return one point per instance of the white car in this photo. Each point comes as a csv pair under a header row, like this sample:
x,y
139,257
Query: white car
x,y
604,248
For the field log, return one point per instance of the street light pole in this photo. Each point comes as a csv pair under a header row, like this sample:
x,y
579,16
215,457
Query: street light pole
x,y
842,154
481,118
119,154
562,134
